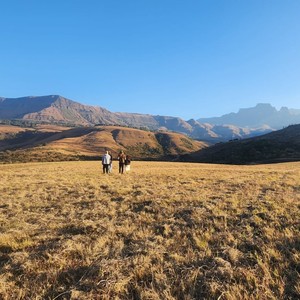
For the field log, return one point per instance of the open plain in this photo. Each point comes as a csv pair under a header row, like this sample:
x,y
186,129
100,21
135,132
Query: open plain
x,y
162,231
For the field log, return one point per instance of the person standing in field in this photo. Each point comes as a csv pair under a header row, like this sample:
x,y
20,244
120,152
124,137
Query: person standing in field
x,y
121,159
127,163
106,160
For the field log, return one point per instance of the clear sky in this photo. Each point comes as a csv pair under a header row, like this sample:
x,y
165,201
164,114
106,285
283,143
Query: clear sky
x,y
187,58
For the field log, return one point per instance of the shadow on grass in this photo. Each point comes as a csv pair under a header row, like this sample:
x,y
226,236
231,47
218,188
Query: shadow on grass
x,y
288,247
75,230
83,278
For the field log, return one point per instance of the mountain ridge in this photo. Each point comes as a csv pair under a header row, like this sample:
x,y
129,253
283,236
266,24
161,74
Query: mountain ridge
x,y
58,109
261,115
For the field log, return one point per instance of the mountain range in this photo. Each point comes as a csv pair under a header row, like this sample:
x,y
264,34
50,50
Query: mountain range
x,y
59,110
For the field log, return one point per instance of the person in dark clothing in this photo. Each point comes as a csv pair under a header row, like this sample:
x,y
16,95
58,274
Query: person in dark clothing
x,y
121,159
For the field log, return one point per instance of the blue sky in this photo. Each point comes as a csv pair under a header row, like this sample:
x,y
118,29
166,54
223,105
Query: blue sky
x,y
189,58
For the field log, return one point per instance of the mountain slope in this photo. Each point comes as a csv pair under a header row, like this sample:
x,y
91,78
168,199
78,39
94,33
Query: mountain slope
x,y
55,108
281,145
91,142
17,108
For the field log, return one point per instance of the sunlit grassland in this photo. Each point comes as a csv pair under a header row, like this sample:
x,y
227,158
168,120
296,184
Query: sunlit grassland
x,y
163,231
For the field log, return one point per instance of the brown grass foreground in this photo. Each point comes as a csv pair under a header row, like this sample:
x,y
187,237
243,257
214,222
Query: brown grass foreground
x,y
164,231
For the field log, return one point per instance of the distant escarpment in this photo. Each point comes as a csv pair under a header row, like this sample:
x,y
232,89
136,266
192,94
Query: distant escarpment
x,y
260,116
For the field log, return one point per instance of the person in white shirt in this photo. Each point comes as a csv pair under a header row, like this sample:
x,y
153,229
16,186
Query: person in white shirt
x,y
106,160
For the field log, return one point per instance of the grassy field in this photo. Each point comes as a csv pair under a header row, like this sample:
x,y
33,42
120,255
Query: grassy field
x,y
163,231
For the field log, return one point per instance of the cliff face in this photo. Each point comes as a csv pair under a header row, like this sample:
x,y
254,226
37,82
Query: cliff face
x,y
55,109
16,108
263,114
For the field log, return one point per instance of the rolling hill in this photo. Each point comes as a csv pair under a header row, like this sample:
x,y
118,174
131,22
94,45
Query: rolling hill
x,y
278,146
52,143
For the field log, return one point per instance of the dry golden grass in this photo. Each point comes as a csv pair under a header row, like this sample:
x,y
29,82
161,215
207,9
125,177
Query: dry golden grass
x,y
9,131
51,128
163,231
4,129
89,142
118,138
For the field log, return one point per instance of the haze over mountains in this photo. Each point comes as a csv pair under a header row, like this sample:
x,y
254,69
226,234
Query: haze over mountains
x,y
59,110
263,114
